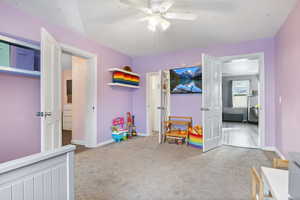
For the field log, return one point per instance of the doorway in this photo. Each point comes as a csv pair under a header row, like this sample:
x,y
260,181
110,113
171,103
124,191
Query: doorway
x,y
242,101
242,97
153,102
74,87
157,102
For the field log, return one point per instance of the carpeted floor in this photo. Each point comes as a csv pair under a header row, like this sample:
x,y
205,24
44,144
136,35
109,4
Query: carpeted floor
x,y
141,169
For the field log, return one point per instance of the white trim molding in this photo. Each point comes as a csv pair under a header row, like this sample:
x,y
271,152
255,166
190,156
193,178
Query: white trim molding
x,y
274,149
143,134
105,143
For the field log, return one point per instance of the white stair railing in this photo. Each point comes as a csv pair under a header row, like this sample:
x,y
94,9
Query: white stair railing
x,y
43,176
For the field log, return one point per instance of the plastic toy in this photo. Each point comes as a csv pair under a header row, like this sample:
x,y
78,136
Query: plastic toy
x,y
118,131
196,137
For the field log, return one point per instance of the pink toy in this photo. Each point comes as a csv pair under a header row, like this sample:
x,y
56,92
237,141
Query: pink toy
x,y
118,122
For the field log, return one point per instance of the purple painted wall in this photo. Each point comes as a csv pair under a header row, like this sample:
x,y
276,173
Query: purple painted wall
x,y
288,84
192,103
20,129
111,102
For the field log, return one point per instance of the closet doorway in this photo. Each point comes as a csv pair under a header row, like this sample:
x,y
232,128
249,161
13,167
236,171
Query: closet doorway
x,y
157,102
153,102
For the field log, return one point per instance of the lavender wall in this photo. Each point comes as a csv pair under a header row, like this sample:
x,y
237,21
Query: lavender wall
x,y
19,128
111,102
288,84
190,104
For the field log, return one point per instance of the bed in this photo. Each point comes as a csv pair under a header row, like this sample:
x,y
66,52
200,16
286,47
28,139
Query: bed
x,y
234,114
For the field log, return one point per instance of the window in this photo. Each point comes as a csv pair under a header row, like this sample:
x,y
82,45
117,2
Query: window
x,y
240,93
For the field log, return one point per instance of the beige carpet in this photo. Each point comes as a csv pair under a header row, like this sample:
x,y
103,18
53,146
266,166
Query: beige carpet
x,y
141,169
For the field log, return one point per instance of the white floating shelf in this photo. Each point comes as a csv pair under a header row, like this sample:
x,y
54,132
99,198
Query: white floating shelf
x,y
121,70
18,42
123,85
19,71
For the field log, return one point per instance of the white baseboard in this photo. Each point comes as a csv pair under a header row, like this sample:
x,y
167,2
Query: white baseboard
x,y
78,142
142,134
274,149
105,143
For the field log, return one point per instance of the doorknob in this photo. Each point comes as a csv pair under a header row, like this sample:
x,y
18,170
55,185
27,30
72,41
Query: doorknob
x,y
160,108
48,114
40,114
43,114
204,109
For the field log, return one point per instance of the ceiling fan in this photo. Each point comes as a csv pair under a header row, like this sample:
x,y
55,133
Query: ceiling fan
x,y
158,13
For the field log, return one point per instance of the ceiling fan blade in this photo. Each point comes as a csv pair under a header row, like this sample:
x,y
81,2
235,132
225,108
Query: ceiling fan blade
x,y
181,16
165,6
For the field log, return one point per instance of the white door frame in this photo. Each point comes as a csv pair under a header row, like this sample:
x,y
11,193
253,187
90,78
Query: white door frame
x,y
262,114
90,129
148,89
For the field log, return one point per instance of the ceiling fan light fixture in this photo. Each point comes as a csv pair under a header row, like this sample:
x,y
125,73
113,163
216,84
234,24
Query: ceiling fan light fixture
x,y
151,27
157,22
165,25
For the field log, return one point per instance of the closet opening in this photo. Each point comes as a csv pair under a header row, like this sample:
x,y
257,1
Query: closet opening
x,y
153,102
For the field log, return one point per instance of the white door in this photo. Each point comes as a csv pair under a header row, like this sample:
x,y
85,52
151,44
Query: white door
x,y
91,102
211,102
164,103
50,92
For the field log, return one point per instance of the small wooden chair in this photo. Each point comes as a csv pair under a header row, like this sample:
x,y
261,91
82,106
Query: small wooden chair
x,y
280,164
187,122
258,187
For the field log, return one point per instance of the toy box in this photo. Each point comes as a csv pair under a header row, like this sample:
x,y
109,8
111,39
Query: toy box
x,y
196,137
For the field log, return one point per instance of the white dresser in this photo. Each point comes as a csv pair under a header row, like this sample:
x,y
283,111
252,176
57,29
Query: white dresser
x,y
67,117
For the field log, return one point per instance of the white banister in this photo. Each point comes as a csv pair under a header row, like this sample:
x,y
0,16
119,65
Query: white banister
x,y
43,176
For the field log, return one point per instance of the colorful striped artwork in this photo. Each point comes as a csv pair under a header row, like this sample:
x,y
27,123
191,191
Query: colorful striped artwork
x,y
121,77
196,140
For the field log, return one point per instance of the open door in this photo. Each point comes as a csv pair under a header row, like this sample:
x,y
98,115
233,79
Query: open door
x,y
91,102
50,92
164,104
211,102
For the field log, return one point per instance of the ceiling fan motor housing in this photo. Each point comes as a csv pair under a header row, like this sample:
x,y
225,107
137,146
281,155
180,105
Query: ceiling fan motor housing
x,y
155,5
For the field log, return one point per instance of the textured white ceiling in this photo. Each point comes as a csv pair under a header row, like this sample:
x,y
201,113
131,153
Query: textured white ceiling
x,y
117,26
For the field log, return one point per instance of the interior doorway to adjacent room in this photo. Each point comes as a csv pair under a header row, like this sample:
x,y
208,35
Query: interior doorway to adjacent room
x,y
241,97
74,98
157,101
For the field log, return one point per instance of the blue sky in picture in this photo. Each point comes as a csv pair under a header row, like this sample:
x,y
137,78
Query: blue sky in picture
x,y
182,70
